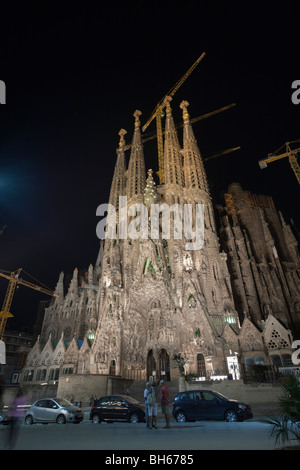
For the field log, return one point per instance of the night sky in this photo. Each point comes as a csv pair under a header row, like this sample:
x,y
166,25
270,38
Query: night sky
x,y
75,75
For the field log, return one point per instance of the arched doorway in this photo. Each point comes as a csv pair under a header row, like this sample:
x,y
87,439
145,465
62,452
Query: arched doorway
x,y
151,364
164,365
201,369
112,368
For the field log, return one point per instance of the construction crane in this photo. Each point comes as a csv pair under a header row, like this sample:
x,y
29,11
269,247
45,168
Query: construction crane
x,y
157,113
289,152
14,280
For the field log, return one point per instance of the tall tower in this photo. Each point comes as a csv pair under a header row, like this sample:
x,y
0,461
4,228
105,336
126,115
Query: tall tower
x,y
158,296
136,173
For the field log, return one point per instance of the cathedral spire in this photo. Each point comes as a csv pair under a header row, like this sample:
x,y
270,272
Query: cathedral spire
x,y
136,178
172,157
194,172
119,180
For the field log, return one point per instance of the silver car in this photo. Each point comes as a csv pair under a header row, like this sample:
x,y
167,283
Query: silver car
x,y
53,410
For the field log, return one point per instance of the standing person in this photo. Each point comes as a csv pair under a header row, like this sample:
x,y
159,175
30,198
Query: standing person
x,y
164,401
146,406
154,415
151,400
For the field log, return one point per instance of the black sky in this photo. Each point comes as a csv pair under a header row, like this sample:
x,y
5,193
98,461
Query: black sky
x,y
76,74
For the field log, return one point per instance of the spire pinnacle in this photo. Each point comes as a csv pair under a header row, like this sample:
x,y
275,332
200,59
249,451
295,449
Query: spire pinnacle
x,y
167,102
137,123
122,140
183,106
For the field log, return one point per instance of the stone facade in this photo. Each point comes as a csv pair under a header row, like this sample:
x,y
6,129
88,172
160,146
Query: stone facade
x,y
233,301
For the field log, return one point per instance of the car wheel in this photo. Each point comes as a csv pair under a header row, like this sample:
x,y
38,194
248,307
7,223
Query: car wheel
x,y
61,419
29,419
96,419
231,416
181,417
134,418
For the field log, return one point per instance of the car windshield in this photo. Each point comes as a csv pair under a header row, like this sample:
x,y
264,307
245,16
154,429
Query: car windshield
x,y
130,399
221,396
63,402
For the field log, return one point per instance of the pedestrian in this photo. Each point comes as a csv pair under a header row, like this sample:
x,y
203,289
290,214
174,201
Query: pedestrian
x,y
17,414
156,393
151,400
146,406
165,401
91,400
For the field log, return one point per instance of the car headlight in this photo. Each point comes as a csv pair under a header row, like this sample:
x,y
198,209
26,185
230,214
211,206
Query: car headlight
x,y
241,406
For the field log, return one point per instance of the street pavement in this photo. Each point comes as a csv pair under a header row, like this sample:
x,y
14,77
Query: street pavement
x,y
203,435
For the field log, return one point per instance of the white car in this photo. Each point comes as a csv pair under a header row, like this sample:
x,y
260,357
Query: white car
x,y
53,410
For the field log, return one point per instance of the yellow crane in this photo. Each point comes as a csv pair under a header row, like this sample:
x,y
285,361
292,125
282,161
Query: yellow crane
x,y
157,113
14,280
290,152
199,118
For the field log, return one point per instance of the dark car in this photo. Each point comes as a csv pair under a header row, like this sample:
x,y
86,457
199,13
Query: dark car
x,y
194,405
117,408
53,410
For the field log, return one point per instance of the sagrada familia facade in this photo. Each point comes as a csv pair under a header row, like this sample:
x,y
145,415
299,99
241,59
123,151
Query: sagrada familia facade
x,y
232,303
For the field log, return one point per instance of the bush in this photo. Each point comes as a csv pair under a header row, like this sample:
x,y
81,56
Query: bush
x,y
286,425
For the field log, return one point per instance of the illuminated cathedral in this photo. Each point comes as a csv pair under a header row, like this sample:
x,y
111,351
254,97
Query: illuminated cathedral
x,y
230,304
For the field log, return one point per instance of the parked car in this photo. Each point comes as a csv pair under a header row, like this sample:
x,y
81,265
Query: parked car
x,y
53,410
4,416
117,408
195,405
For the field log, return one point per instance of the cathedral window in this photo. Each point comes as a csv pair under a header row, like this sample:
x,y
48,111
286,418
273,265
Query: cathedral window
x,y
276,360
201,369
272,344
67,332
230,319
283,343
275,334
28,375
259,360
248,363
287,360
112,368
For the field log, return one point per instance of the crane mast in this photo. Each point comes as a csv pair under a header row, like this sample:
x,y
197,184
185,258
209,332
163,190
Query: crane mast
x,y
157,114
14,280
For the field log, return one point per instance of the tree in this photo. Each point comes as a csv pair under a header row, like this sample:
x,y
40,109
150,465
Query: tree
x,y
286,425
